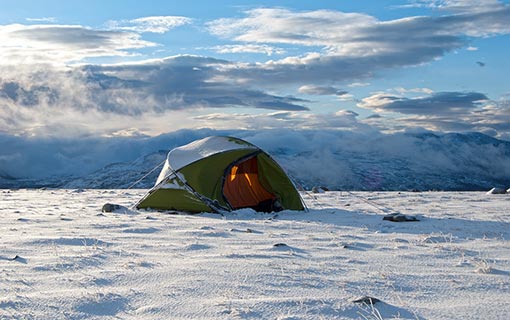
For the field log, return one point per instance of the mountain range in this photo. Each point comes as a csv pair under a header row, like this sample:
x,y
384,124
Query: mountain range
x,y
335,160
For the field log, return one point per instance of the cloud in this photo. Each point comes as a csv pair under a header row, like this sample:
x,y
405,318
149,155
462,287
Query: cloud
x,y
441,103
342,119
249,48
184,82
319,90
414,90
354,34
109,96
62,44
342,46
443,111
37,96
358,84
192,92
46,19
457,5
155,24
70,44
351,46
268,25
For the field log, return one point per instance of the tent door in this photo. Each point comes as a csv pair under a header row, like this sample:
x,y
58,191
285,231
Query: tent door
x,y
242,188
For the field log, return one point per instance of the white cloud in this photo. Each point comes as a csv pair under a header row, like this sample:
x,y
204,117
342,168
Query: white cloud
x,y
110,98
414,90
249,48
353,34
440,103
66,44
343,119
442,111
349,46
321,90
458,5
63,44
342,47
46,19
162,94
155,24
358,84
314,28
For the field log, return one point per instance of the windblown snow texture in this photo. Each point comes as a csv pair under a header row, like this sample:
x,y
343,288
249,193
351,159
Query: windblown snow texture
x,y
62,258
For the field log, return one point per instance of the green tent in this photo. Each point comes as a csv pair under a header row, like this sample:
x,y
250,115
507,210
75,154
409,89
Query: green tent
x,y
221,174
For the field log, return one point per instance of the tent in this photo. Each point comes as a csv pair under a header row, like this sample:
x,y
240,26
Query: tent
x,y
220,173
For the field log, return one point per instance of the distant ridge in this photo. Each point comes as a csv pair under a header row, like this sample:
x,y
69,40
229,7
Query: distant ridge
x,y
337,160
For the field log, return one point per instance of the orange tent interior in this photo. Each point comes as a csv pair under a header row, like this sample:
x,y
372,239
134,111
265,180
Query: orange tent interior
x,y
242,188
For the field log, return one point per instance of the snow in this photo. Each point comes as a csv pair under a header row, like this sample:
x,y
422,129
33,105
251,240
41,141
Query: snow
x,y
203,148
182,156
62,258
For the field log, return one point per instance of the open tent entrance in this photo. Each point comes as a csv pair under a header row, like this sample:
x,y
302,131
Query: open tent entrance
x,y
242,188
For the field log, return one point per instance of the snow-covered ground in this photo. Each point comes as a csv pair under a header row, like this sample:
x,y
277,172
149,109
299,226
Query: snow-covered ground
x,y
61,258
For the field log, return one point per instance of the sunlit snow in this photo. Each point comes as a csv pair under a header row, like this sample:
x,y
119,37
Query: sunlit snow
x,y
62,258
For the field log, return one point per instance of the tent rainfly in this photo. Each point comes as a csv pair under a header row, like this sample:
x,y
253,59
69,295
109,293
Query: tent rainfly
x,y
221,174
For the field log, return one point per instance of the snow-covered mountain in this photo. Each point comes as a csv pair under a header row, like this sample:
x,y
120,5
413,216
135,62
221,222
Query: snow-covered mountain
x,y
140,173
428,161
335,159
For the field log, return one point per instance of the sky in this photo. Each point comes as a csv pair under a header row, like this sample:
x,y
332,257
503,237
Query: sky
x,y
144,68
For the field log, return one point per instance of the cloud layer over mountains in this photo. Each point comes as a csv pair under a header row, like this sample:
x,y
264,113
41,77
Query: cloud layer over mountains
x,y
336,159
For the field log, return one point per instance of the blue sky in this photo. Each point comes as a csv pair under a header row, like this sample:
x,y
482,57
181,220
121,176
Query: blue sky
x,y
131,68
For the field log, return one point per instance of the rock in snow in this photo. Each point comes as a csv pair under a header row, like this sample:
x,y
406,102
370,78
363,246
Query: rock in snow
x,y
109,207
366,300
399,217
